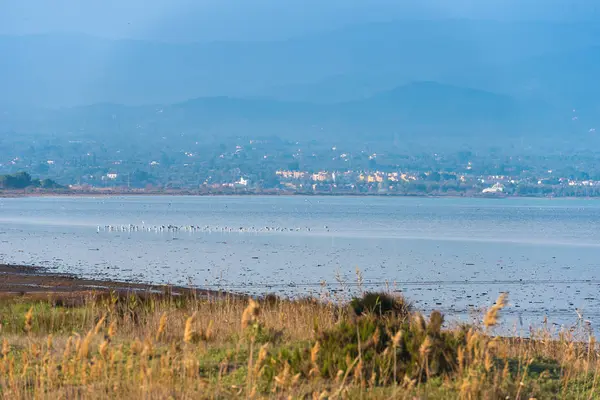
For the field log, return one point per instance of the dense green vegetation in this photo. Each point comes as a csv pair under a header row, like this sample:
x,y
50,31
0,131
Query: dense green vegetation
x,y
22,180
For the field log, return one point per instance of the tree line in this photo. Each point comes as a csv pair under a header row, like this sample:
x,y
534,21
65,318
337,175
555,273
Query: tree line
x,y
22,180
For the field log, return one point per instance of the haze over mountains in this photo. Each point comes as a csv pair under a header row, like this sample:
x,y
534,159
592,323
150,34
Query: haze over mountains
x,y
386,78
258,20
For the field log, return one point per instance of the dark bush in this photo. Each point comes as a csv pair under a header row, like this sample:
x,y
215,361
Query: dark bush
x,y
381,340
381,304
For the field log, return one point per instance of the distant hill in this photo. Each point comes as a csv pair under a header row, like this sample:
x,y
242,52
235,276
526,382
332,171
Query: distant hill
x,y
445,103
417,108
548,61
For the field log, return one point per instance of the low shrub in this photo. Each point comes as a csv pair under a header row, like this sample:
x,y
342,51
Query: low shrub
x,y
381,304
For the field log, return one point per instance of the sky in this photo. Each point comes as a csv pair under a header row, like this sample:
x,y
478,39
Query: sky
x,y
214,20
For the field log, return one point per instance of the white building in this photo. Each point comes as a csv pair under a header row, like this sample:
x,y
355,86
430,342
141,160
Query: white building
x,y
497,188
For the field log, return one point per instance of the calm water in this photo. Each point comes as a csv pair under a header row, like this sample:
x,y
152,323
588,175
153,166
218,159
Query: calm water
x,y
452,254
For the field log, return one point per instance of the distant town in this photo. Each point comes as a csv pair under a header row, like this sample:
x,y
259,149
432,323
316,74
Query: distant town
x,y
270,166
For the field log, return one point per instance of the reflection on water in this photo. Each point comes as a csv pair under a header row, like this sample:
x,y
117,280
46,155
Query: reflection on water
x,y
453,254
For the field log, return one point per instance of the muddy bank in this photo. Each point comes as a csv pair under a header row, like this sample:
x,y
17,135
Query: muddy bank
x,y
38,283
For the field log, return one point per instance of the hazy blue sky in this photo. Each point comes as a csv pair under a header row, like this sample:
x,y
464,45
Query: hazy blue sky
x,y
199,20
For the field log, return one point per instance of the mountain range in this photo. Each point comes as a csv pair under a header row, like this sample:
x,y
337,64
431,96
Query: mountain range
x,y
427,108
454,76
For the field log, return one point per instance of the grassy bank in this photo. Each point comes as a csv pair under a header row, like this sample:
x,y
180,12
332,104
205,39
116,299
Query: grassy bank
x,y
165,346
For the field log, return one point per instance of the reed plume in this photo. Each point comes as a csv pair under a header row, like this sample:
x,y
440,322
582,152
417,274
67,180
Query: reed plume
x,y
29,320
189,334
491,317
162,325
250,314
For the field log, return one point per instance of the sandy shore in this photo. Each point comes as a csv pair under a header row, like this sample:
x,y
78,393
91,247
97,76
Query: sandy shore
x,y
37,283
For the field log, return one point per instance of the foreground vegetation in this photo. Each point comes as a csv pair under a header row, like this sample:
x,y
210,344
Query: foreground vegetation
x,y
220,347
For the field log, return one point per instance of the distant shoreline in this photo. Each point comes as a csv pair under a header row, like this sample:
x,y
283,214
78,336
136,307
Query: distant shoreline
x,y
176,193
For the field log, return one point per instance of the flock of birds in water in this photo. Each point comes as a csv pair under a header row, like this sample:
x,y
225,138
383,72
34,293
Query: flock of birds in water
x,y
198,229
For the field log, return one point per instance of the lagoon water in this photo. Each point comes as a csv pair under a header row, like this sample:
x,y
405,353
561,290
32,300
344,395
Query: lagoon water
x,y
446,253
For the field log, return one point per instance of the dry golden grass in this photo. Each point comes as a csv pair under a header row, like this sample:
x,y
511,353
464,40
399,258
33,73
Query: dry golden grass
x,y
229,347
